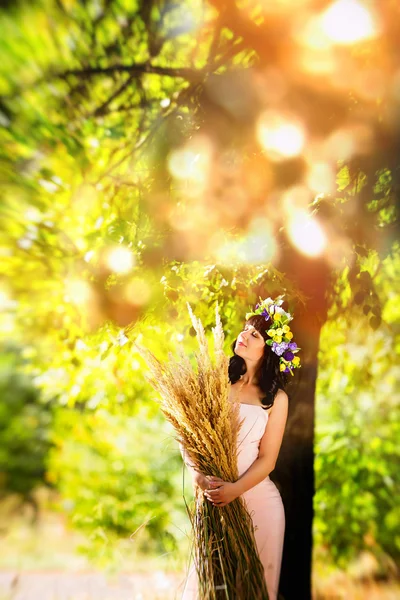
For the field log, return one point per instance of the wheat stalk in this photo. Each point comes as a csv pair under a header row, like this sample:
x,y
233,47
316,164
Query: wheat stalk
x,y
196,402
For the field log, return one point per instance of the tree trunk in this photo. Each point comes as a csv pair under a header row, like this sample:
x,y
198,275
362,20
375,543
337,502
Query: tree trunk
x,y
294,472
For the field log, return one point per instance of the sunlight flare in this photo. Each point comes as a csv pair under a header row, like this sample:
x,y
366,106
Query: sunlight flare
x,y
120,260
281,137
306,234
348,22
193,161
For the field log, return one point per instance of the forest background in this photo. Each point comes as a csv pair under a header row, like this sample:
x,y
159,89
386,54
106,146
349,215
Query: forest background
x,y
158,153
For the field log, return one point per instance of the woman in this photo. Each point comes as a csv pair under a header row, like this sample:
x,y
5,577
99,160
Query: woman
x,y
263,356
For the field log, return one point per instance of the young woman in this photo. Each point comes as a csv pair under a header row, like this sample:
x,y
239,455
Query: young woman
x,y
263,356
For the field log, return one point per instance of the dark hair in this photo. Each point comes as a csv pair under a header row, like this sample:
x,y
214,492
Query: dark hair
x,y
270,377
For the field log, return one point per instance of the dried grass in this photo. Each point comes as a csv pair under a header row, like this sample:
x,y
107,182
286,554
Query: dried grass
x,y
196,402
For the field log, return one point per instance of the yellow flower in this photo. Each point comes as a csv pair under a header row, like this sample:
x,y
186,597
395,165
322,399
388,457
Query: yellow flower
x,y
282,367
296,360
278,338
279,331
277,317
286,328
289,335
271,332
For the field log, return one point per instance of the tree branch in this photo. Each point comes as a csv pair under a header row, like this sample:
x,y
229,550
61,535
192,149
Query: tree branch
x,y
191,75
101,110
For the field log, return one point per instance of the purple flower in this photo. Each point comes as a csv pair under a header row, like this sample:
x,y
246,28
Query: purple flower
x,y
266,314
292,345
287,370
279,349
288,355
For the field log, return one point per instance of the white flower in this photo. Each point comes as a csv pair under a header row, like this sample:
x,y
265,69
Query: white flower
x,y
80,345
103,346
121,338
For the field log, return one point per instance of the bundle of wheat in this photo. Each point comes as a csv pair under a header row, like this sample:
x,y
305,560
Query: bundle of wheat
x,y
206,422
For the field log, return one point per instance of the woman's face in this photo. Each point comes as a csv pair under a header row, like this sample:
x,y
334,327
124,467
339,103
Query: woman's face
x,y
250,343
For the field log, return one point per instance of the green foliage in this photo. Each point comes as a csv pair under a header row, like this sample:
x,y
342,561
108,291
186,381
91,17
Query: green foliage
x,y
25,424
358,423
121,481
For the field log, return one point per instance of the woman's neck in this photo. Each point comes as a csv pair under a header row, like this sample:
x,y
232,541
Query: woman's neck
x,y
249,380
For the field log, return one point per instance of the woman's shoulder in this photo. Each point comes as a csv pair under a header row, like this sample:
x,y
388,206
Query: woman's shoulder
x,y
280,396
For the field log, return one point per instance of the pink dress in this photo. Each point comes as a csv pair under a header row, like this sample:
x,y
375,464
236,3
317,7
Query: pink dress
x,y
263,501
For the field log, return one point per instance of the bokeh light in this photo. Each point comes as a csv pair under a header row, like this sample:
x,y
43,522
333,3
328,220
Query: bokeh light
x,y
316,62
281,136
78,291
321,177
340,144
309,33
296,198
138,292
186,216
257,246
226,252
348,22
193,161
7,306
6,301
348,140
306,233
120,259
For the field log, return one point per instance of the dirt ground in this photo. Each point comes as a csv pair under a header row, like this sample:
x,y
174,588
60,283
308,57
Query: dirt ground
x,y
56,585
89,586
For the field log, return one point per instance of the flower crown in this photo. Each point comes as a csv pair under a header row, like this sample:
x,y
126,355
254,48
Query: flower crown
x,y
279,332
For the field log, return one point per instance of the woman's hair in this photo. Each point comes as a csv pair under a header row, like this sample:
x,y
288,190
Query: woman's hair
x,y
270,377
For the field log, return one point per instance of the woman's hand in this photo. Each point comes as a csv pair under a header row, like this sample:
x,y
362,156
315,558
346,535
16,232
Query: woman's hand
x,y
220,492
201,480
